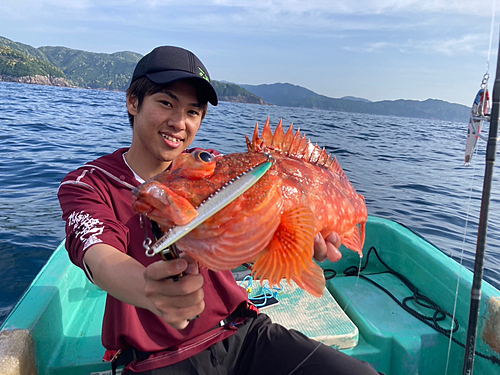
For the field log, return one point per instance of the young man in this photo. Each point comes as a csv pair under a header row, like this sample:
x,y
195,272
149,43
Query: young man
x,y
148,316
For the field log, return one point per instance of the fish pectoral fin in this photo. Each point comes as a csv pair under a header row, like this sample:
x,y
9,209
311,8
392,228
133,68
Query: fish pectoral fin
x,y
290,252
312,280
354,239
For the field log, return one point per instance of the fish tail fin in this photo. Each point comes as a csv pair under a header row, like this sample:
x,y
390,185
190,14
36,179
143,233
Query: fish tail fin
x,y
290,251
355,239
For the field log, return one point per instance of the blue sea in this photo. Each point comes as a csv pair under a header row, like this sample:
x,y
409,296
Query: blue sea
x,y
409,170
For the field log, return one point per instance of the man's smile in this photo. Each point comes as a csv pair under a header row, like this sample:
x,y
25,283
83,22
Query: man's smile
x,y
171,138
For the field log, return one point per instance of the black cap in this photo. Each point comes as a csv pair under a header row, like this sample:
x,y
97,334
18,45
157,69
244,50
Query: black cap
x,y
169,64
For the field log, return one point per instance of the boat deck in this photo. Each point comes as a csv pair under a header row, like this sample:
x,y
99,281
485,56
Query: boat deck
x,y
321,319
63,312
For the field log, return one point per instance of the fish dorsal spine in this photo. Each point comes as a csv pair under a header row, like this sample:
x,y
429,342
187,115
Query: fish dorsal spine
x,y
294,145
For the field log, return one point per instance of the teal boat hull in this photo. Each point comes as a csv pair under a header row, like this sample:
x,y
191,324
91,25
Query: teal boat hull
x,y
55,328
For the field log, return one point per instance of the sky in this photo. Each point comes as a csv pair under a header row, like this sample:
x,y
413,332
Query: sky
x,y
373,49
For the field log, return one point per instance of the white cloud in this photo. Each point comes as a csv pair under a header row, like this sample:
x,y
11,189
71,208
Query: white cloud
x,y
56,5
359,7
366,25
465,45
373,47
273,7
267,39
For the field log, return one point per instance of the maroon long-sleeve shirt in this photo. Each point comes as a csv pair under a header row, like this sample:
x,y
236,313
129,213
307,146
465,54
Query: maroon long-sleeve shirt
x,y
96,201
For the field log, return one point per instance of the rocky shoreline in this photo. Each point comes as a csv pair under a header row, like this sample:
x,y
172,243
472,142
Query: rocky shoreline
x,y
38,80
62,82
241,99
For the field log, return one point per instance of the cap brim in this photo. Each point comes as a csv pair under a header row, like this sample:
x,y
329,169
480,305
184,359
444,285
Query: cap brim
x,y
202,85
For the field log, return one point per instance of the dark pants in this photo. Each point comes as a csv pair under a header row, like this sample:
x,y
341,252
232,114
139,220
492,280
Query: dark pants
x,y
261,347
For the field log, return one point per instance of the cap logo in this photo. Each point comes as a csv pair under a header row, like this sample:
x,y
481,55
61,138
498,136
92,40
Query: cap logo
x,y
203,74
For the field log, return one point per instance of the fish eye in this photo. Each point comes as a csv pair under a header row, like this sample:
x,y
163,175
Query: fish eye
x,y
198,165
204,156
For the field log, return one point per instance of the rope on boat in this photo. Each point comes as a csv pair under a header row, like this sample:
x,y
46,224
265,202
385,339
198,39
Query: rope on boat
x,y
420,299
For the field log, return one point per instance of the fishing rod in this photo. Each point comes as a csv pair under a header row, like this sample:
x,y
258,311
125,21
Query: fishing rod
x,y
491,151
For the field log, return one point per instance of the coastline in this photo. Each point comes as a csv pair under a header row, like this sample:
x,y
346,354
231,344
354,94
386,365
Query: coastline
x,y
62,82
38,80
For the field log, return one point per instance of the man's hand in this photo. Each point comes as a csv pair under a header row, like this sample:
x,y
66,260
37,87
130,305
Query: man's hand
x,y
327,247
175,301
152,287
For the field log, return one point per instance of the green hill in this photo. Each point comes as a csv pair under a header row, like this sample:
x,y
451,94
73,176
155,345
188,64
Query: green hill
x,y
80,68
87,69
231,92
94,70
17,64
280,93
23,48
64,66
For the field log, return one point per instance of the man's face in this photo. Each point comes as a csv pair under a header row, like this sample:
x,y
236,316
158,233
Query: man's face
x,y
166,123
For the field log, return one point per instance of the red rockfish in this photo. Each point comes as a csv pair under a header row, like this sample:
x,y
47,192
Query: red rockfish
x,y
274,223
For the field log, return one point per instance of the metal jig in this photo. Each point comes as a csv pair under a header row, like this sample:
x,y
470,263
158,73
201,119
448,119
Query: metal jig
x,y
210,206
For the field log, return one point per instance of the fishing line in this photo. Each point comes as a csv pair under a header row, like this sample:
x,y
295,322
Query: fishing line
x,y
492,26
344,309
359,271
305,359
459,276
461,261
491,34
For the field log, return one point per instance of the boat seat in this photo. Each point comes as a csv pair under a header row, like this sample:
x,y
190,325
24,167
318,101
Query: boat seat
x,y
404,340
321,319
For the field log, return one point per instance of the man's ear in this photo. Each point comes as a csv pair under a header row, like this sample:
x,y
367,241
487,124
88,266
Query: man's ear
x,y
132,105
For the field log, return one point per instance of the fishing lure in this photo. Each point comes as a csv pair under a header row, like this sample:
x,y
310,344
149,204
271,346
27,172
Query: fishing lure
x,y
213,204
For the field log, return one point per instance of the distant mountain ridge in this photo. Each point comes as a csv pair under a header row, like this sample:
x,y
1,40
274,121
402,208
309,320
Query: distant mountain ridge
x,y
280,93
285,94
231,92
355,98
61,66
